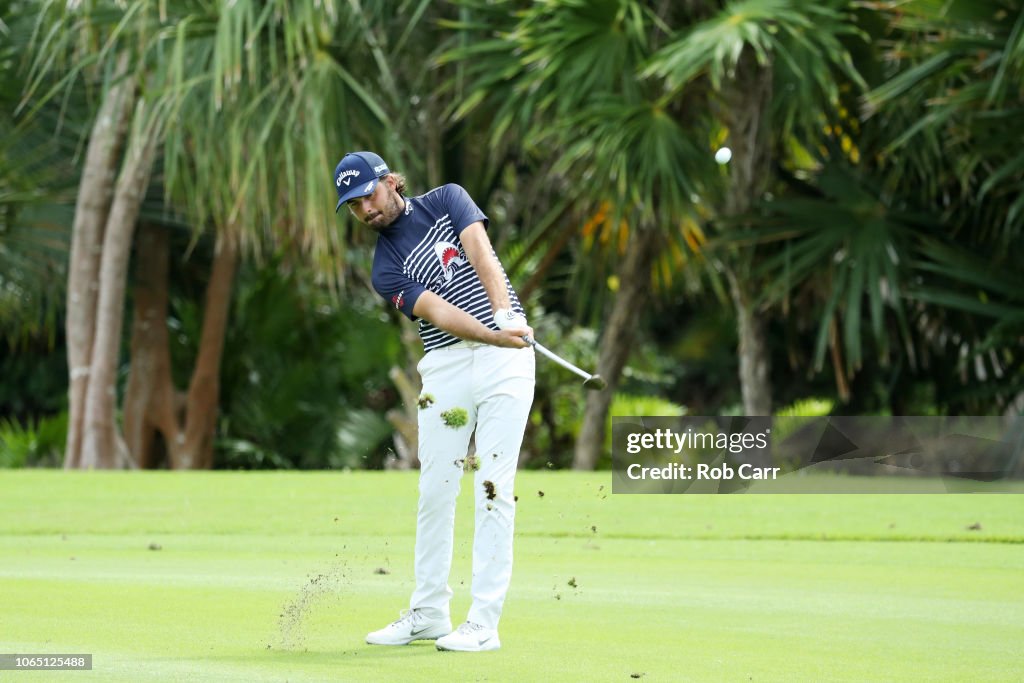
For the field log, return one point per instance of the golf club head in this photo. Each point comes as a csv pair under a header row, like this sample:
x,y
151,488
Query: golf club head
x,y
595,383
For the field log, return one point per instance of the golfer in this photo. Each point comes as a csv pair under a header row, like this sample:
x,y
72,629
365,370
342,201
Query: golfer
x,y
434,263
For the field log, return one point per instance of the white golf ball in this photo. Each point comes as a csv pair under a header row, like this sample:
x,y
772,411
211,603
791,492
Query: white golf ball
x,y
723,155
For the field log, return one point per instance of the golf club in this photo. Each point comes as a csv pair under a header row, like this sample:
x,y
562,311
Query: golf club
x,y
592,382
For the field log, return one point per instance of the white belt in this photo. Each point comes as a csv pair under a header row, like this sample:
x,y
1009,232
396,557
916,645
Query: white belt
x,y
464,344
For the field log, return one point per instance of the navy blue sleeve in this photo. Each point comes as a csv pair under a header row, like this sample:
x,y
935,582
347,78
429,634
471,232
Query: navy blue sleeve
x,y
397,288
460,207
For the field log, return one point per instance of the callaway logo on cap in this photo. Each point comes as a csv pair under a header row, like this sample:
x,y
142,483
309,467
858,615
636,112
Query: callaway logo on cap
x,y
353,172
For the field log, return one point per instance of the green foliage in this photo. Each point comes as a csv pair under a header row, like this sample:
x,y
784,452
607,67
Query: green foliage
x,y
843,244
304,377
627,405
240,454
801,41
955,99
34,379
269,93
798,414
36,190
364,438
559,401
898,238
889,244
16,443
34,444
545,60
807,407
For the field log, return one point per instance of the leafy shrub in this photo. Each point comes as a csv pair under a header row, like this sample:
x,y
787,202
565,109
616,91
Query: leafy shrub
x,y
558,399
808,407
304,377
39,444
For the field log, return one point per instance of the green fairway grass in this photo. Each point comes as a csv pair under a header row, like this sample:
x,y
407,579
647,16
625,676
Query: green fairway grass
x,y
231,576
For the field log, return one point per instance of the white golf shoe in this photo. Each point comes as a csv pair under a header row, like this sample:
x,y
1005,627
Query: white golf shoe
x,y
413,625
470,637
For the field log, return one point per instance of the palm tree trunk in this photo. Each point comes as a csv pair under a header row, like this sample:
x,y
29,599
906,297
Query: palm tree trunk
x,y
754,354
616,342
102,446
746,102
149,402
152,405
196,447
95,192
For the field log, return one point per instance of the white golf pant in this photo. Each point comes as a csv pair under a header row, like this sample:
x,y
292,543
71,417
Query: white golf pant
x,y
495,388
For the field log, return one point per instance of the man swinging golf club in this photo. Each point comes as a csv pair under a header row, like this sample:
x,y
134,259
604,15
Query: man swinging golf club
x,y
434,262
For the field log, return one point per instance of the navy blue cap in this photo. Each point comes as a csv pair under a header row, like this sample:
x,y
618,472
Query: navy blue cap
x,y
356,175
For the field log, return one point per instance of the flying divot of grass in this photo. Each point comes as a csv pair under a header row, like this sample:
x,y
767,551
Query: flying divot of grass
x,y
455,417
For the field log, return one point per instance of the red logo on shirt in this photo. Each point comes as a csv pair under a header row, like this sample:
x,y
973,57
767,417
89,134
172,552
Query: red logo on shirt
x,y
450,258
447,255
398,298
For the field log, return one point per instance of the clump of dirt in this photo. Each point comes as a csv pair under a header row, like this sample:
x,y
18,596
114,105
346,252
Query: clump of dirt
x,y
489,507
975,527
155,546
425,401
472,464
516,498
489,489
593,528
381,570
540,494
319,587
572,582
455,417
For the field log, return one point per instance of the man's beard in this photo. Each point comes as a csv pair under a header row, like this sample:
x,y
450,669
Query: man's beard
x,y
392,210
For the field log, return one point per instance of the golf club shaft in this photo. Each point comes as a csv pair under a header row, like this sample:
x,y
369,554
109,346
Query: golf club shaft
x,y
558,359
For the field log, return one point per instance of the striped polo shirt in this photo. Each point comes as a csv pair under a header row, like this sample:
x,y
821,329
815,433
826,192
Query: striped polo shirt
x,y
421,251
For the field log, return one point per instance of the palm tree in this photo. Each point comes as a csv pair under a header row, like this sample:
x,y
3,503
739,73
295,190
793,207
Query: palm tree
x,y
633,95
235,79
951,100
35,187
898,235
